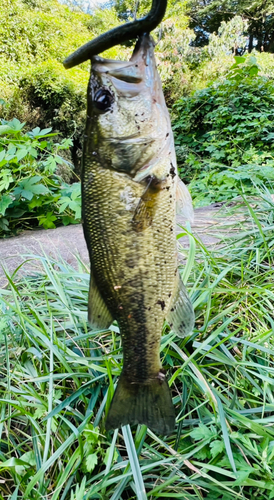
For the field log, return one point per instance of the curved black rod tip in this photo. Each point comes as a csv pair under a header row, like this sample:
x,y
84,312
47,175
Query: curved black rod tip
x,y
118,35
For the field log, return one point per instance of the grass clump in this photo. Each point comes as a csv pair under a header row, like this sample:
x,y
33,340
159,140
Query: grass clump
x,y
58,378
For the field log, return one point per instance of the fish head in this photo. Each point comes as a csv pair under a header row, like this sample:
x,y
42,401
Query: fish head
x,y
130,125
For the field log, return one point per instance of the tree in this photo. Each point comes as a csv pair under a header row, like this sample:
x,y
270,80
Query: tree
x,y
127,9
87,6
206,17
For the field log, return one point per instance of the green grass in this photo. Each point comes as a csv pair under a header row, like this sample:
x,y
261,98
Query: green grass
x,y
57,378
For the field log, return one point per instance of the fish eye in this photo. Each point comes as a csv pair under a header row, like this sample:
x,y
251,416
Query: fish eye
x,y
103,100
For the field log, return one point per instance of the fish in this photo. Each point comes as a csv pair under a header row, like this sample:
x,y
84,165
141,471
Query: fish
x,y
130,185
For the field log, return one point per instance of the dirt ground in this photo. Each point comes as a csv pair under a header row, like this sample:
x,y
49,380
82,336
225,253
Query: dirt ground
x,y
68,242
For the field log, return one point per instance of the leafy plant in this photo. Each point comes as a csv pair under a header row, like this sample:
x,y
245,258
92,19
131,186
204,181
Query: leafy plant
x,y
224,134
36,37
31,191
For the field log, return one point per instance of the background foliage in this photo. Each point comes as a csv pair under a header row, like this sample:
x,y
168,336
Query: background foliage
x,y
31,191
224,134
35,37
207,15
58,377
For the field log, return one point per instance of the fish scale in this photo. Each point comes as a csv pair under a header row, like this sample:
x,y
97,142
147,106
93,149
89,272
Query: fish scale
x,y
110,253
129,186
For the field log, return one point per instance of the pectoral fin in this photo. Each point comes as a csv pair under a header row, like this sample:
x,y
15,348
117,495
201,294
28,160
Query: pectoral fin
x,y
99,316
145,209
142,217
181,315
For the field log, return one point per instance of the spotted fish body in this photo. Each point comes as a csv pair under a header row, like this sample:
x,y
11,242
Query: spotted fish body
x,y
129,188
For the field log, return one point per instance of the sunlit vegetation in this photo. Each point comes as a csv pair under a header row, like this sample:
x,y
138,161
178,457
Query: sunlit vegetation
x,y
57,376
224,134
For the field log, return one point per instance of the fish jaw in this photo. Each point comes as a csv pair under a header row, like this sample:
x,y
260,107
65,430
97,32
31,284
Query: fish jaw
x,y
134,132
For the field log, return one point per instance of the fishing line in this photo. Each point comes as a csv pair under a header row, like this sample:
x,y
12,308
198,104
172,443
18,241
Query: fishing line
x,y
161,29
160,34
137,4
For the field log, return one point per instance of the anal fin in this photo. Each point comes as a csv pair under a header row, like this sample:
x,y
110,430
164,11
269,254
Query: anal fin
x,y
181,315
99,316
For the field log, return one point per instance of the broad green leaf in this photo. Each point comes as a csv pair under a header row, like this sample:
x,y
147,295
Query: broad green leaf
x,y
12,150
254,71
91,461
242,475
4,224
92,434
50,165
216,447
60,160
47,221
253,60
33,152
21,153
71,200
66,143
202,454
66,219
240,59
45,131
5,129
75,207
39,189
64,202
35,202
5,179
35,131
2,154
28,187
16,125
5,202
202,432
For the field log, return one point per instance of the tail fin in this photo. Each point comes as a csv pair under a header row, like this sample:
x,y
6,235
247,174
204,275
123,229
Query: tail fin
x,y
148,404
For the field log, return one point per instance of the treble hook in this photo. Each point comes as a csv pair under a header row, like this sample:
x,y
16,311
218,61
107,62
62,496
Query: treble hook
x,y
118,35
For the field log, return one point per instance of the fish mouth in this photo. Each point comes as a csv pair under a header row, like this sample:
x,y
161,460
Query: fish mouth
x,y
139,69
134,77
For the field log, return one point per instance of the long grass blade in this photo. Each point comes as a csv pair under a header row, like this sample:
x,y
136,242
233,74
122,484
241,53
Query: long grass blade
x,y
134,463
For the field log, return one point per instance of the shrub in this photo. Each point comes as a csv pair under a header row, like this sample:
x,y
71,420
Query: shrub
x,y
171,52
31,192
49,96
35,37
224,133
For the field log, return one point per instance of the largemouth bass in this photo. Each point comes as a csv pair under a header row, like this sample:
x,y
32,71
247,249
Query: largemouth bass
x,y
129,186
